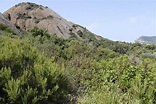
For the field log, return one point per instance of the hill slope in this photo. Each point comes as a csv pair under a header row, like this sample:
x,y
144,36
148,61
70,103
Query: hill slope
x,y
47,69
26,15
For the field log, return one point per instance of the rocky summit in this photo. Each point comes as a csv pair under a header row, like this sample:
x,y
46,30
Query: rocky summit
x,y
27,15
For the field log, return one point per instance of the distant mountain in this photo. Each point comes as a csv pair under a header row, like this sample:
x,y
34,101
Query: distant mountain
x,y
4,21
26,15
147,39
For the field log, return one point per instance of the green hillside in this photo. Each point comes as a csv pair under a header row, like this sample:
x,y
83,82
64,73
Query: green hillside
x,y
39,68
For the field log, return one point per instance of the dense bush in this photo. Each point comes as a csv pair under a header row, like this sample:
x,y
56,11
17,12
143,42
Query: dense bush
x,y
29,77
118,81
36,32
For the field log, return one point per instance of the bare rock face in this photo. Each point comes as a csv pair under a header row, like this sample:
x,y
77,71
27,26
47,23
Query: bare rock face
x,y
27,15
6,22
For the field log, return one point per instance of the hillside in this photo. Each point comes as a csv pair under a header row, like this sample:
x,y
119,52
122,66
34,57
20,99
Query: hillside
x,y
52,70
147,39
26,15
42,68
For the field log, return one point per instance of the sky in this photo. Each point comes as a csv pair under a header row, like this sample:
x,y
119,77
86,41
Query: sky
x,y
118,20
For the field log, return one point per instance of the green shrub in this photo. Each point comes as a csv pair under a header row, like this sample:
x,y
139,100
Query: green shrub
x,y
49,17
39,32
29,77
118,81
23,16
80,33
33,6
20,16
71,29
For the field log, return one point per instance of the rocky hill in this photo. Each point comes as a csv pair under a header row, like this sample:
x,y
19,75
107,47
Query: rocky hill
x,y
147,39
26,15
4,21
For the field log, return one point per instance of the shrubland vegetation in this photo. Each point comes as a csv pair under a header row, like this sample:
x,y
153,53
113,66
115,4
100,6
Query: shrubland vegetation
x,y
39,68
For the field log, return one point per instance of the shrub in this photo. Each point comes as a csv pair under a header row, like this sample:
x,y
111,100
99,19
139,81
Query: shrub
x,y
73,35
29,77
36,32
23,16
20,16
33,6
71,29
49,17
118,81
80,33
74,26
28,8
46,7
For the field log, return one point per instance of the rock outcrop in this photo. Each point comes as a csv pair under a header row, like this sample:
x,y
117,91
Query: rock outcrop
x,y
27,15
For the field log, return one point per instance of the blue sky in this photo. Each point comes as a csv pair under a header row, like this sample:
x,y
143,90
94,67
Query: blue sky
x,y
119,20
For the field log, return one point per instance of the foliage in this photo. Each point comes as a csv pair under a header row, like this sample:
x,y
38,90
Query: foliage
x,y
39,68
49,17
23,16
118,81
29,77
36,32
33,6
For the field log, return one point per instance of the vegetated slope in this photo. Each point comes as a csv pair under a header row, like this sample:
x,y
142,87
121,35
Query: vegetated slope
x,y
4,21
147,39
37,69
26,15
40,69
